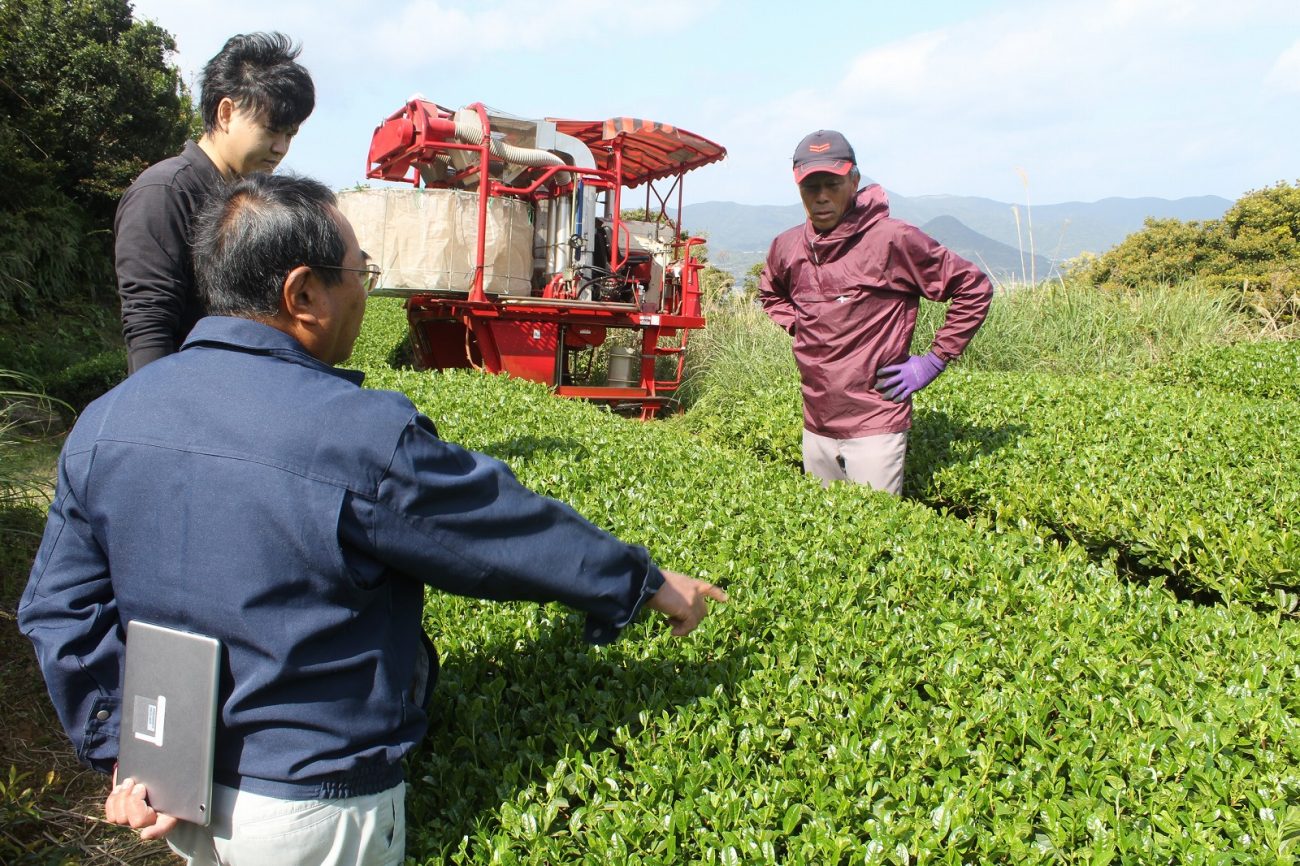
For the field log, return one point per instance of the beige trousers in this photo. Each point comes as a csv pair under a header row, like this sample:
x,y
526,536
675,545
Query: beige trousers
x,y
873,460
253,830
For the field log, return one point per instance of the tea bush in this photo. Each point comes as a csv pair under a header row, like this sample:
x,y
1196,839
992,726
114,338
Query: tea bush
x,y
888,685
1268,369
1201,490
1195,486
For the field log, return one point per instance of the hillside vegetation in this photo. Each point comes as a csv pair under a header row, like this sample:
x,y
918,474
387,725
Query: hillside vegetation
x,y
1254,250
88,100
1072,642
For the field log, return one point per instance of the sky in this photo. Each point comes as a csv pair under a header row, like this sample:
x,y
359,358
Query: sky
x,y
1022,101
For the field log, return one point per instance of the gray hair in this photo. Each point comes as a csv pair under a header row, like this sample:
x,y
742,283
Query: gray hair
x,y
251,234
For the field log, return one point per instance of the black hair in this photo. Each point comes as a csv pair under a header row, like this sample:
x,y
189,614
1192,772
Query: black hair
x,y
258,73
251,234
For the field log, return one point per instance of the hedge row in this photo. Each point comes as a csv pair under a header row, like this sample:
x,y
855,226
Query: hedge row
x,y
1268,370
888,684
1197,485
1202,488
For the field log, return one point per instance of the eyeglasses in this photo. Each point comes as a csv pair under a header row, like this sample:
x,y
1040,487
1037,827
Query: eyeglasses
x,y
369,282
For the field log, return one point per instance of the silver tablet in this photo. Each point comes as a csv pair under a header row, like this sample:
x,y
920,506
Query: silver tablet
x,y
169,718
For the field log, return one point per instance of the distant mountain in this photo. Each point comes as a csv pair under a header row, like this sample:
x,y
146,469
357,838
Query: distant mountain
x,y
739,235
999,260
741,227
1060,231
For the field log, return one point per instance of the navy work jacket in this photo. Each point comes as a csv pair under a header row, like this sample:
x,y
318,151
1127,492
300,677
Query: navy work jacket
x,y
244,490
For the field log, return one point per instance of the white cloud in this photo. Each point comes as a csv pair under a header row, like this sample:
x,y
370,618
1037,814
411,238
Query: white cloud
x,y
583,34
1092,97
1285,74
895,75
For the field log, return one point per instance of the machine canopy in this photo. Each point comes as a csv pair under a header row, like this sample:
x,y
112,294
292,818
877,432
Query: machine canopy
x,y
651,150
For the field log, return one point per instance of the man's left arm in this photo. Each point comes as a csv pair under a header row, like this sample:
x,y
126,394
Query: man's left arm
x,y
943,276
69,613
940,275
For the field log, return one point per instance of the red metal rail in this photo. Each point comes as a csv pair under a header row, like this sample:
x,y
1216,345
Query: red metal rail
x,y
535,337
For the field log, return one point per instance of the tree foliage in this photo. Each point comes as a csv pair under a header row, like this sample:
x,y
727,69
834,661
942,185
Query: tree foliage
x,y
1254,248
87,101
749,287
715,285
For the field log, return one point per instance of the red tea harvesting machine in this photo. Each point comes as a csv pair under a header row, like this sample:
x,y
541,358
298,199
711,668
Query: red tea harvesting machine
x,y
507,241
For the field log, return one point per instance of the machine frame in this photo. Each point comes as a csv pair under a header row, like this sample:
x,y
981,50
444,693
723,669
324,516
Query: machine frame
x,y
539,336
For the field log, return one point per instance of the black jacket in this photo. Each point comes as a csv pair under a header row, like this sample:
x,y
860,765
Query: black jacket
x,y
152,232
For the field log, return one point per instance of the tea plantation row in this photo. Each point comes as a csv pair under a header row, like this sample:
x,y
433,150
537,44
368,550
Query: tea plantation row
x,y
888,684
1193,483
1199,487
1267,369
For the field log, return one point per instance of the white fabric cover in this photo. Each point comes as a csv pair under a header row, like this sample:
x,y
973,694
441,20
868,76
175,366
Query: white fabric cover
x,y
424,239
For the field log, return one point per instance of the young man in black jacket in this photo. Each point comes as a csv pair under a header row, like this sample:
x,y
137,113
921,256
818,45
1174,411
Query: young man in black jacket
x,y
254,95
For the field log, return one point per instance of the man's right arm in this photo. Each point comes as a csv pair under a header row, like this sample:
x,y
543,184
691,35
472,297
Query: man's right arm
x,y
774,293
154,279
460,521
684,601
127,804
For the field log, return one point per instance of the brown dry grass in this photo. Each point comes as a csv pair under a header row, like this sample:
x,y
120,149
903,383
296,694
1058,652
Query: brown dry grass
x,y
51,808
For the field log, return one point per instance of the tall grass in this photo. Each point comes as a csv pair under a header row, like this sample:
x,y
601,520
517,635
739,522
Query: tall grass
x,y
740,344
26,415
1073,329
1053,327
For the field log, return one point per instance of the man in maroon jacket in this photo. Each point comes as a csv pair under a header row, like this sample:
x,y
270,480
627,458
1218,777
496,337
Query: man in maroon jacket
x,y
846,285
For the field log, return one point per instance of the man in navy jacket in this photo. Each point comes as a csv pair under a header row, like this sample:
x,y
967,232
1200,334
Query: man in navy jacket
x,y
246,489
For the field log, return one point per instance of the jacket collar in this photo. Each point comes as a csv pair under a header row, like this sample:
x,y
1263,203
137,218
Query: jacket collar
x,y
246,335
869,207
203,164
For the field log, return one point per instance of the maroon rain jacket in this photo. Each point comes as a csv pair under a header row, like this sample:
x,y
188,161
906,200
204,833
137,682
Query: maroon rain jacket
x,y
849,298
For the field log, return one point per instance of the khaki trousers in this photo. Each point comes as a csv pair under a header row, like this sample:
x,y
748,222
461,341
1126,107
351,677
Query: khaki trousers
x,y
253,830
876,461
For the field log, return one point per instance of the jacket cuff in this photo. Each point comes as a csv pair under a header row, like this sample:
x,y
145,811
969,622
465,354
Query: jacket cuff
x,y
140,355
601,630
98,748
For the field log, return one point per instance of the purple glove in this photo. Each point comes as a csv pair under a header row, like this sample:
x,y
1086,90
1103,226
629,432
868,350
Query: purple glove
x,y
900,381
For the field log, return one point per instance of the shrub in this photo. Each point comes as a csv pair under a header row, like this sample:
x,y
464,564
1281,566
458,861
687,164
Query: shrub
x,y
1253,250
83,381
888,684
88,102
1202,492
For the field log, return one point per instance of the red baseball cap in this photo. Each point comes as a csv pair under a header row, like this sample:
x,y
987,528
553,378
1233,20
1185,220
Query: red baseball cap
x,y
823,150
